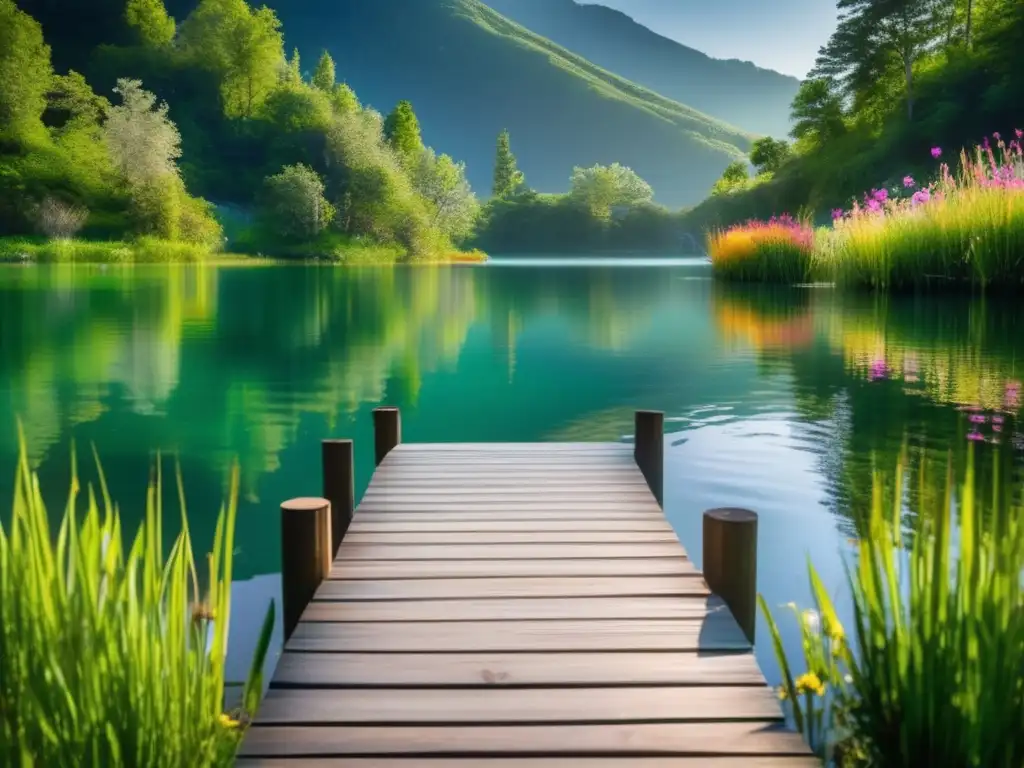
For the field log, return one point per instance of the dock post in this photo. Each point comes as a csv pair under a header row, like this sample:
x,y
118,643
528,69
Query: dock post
x,y
339,487
387,431
649,450
730,562
305,555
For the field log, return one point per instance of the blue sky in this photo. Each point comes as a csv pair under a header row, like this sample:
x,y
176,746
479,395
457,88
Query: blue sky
x,y
783,35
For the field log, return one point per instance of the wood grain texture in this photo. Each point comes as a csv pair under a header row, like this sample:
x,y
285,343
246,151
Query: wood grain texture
x,y
516,606
718,632
540,569
589,669
427,586
352,551
288,706
419,525
391,538
469,504
632,739
538,515
749,761
514,609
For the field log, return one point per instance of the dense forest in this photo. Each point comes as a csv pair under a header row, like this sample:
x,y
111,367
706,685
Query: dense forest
x,y
895,81
212,107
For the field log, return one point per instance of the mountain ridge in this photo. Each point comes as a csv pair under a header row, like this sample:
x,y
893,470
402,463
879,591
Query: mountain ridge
x,y
615,41
470,72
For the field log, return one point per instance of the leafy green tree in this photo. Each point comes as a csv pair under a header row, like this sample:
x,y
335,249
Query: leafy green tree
x,y
295,204
402,130
370,189
144,143
343,99
151,22
508,179
768,154
873,36
243,46
295,107
25,72
602,187
324,76
442,183
817,112
735,175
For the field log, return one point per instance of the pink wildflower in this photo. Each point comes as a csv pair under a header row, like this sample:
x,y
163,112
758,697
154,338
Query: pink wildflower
x,y
920,197
908,181
837,213
936,152
997,136
1020,133
881,195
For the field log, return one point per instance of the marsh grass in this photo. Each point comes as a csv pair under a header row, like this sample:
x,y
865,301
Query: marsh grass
x,y
934,672
109,654
965,230
145,250
776,251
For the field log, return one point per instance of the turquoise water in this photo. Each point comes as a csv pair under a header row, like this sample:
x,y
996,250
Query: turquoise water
x,y
774,400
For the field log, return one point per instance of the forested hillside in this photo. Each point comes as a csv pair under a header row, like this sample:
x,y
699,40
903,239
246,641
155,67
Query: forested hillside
x,y
897,89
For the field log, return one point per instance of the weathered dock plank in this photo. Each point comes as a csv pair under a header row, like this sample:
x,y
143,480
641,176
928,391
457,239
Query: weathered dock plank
x,y
510,606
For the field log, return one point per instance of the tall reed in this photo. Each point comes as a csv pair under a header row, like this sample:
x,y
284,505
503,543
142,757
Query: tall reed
x,y
109,654
934,673
774,251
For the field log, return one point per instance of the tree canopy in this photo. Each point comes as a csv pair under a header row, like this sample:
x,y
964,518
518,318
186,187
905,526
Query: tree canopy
x,y
508,179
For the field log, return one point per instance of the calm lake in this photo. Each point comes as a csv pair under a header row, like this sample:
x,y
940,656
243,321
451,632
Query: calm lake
x,y
776,400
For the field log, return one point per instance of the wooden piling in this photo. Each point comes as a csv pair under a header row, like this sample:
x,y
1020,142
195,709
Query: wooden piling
x,y
387,431
730,562
306,555
339,487
649,450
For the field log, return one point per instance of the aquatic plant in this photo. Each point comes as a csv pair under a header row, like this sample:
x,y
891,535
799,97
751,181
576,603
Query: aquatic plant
x,y
109,654
933,673
961,229
775,251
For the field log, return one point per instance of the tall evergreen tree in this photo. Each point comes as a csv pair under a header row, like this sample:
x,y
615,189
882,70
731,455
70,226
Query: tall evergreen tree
x,y
150,21
402,130
507,176
293,72
25,71
324,76
874,35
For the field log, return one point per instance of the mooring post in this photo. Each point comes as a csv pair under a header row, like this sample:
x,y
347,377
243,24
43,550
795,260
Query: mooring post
x,y
305,555
730,562
649,450
339,483
387,431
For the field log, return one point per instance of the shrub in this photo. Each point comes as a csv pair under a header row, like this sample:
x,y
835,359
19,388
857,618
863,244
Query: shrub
x,y
60,220
109,654
775,251
934,672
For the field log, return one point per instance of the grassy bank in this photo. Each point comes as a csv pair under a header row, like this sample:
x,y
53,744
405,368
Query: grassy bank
x,y
110,655
154,251
142,251
961,231
931,673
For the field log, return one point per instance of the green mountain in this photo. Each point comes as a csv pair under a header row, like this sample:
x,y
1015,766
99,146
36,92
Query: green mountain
x,y
470,72
738,92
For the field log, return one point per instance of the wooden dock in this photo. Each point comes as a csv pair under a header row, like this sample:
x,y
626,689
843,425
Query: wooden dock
x,y
514,606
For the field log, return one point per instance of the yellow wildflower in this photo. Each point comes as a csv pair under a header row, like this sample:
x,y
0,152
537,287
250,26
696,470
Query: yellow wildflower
x,y
810,683
782,693
228,722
